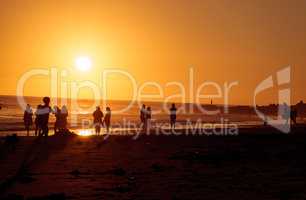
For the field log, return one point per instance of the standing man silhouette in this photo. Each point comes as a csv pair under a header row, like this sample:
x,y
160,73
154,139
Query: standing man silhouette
x,y
98,115
43,113
173,116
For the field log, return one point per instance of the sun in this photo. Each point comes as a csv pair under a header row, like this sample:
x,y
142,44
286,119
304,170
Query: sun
x,y
83,63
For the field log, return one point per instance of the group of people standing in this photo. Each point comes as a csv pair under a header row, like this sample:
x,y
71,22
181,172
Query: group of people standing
x,y
42,118
100,120
146,115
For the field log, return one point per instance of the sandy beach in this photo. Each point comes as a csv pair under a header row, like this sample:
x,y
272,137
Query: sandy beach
x,y
259,163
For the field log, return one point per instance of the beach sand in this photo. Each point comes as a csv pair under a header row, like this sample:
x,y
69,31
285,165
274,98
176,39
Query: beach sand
x,y
259,163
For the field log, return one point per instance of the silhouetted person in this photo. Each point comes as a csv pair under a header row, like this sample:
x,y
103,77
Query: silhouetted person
x,y
64,116
57,113
43,113
293,115
286,113
98,115
107,119
148,117
38,130
27,118
142,115
173,116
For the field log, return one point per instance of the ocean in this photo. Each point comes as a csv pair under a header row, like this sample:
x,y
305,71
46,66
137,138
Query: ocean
x,y
80,114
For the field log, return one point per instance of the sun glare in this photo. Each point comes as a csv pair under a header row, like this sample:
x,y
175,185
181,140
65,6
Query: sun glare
x,y
85,132
83,63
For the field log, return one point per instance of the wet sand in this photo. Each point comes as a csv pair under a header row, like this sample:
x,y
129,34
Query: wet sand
x,y
259,163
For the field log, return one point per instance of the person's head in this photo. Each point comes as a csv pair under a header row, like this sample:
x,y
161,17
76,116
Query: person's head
x,y
56,109
98,108
149,108
143,106
173,105
46,100
64,109
108,109
28,108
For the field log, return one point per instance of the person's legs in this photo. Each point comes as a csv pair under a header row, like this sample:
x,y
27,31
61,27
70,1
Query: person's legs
x,y
40,132
27,129
172,122
108,128
45,130
145,124
98,129
55,128
148,126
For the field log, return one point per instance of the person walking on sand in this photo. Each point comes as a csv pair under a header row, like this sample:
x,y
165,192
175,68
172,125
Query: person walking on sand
x,y
107,119
173,116
142,115
148,117
27,118
43,113
98,116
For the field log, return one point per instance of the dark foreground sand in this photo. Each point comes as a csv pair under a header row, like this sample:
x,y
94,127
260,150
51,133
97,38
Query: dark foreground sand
x,y
256,164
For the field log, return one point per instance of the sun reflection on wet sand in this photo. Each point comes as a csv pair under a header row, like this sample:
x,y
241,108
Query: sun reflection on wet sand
x,y
86,132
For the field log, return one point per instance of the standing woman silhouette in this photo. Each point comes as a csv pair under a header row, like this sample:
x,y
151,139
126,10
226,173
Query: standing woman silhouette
x,y
107,119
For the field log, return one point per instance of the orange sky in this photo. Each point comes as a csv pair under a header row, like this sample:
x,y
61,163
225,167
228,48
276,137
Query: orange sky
x,y
224,41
